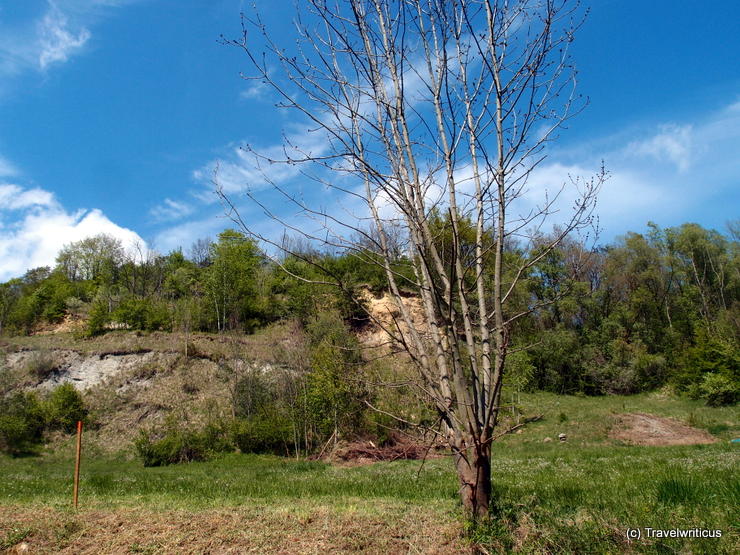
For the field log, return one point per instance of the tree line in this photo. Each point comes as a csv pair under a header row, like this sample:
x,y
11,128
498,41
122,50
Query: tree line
x,y
654,308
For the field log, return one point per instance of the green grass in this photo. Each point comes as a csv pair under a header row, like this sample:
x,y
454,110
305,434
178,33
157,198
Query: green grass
x,y
228,480
558,498
587,420
574,497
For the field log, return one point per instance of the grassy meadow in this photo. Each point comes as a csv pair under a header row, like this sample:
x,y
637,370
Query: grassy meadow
x,y
578,496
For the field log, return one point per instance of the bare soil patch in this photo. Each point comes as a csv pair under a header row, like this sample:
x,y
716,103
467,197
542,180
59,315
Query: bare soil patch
x,y
266,529
68,324
385,315
648,429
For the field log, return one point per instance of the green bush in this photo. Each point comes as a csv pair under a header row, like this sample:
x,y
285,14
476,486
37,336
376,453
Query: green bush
x,y
21,423
177,445
97,320
24,419
143,314
707,357
64,408
718,390
253,394
263,434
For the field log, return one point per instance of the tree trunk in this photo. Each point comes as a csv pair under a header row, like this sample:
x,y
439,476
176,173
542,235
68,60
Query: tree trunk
x,y
474,470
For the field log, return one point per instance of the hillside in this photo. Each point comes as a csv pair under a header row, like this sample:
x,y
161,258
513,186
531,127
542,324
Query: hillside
x,y
133,381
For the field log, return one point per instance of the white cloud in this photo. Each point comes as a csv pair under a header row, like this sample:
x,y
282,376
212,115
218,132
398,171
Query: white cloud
x,y
256,91
683,172
242,169
57,43
672,143
668,173
34,227
171,210
14,197
53,34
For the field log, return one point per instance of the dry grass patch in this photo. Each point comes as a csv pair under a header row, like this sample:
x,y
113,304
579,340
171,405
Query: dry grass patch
x,y
265,345
294,528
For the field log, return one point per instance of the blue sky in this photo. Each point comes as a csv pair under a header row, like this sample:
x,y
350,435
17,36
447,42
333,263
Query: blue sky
x,y
114,112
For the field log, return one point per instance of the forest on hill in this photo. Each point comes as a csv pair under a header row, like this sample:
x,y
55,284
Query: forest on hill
x,y
652,309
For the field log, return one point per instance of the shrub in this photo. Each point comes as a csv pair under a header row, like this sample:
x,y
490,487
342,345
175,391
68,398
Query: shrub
x,y
97,320
143,314
21,423
174,447
64,408
708,356
718,390
252,394
178,445
519,370
263,434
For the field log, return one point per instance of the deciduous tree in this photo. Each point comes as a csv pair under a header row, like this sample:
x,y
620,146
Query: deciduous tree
x,y
422,108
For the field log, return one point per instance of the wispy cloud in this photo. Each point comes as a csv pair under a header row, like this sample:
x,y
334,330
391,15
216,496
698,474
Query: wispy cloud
x,y
255,91
183,235
57,42
50,36
669,173
34,226
242,168
14,197
171,210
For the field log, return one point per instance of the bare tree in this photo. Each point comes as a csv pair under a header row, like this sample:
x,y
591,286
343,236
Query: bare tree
x,y
432,109
200,252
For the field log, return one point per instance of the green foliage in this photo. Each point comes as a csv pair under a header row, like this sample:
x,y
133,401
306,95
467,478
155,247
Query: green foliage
x,y
231,280
143,314
24,418
707,356
717,390
622,368
267,414
556,361
176,444
21,423
265,433
253,395
97,319
92,258
64,407
519,370
334,398
651,309
304,300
